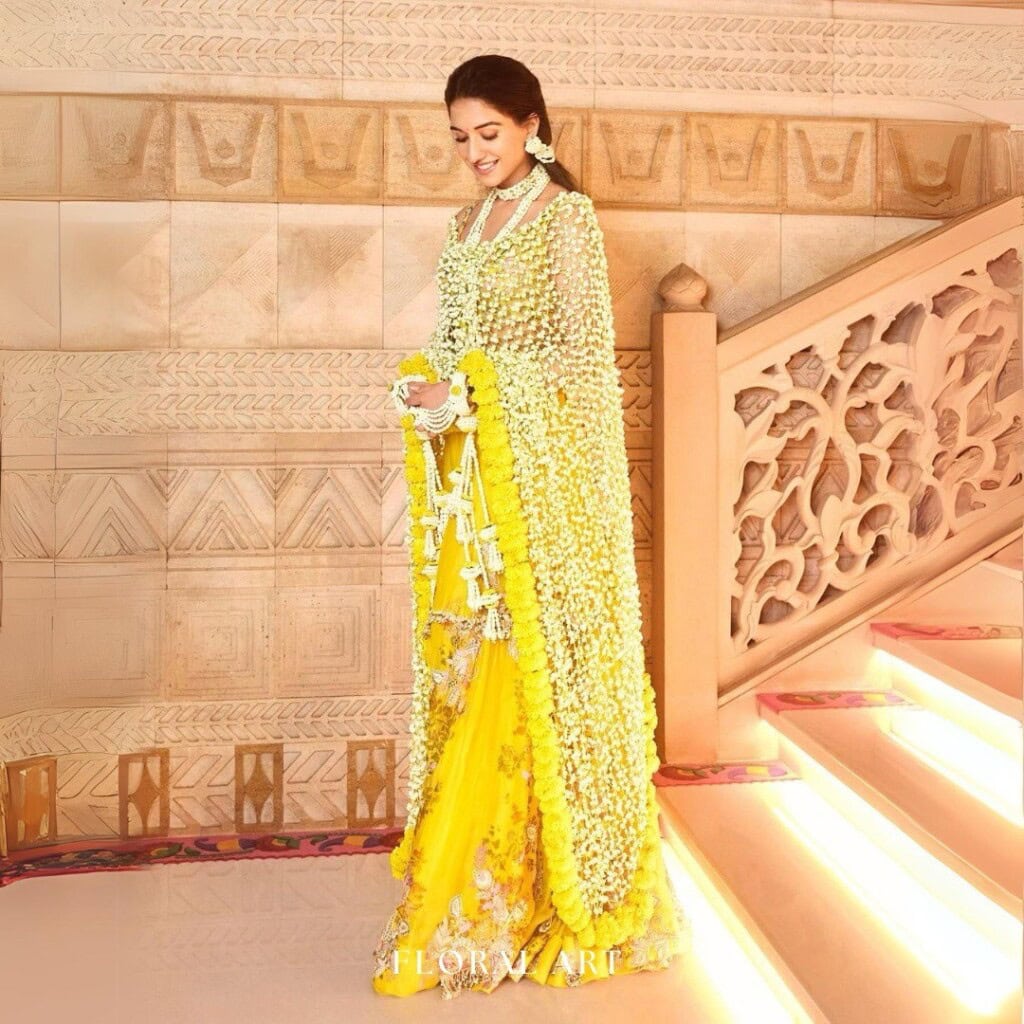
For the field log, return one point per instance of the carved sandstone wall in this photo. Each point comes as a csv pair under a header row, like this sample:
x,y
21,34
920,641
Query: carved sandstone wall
x,y
218,226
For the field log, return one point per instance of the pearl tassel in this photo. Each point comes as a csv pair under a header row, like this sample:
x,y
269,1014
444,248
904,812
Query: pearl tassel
x,y
442,505
492,625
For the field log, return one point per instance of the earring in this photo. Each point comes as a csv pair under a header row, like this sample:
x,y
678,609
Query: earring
x,y
541,150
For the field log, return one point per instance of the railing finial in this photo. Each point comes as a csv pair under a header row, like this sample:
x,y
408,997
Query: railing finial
x,y
682,289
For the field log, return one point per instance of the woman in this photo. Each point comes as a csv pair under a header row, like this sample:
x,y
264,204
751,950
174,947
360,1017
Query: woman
x,y
531,845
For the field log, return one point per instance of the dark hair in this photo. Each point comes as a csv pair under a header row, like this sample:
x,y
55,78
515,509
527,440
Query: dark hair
x,y
511,87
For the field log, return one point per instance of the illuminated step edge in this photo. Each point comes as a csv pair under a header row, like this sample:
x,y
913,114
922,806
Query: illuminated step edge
x,y
876,784
860,922
927,690
753,981
934,666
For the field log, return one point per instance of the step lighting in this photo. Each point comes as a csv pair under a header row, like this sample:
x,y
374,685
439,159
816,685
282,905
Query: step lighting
x,y
970,962
992,726
987,773
747,992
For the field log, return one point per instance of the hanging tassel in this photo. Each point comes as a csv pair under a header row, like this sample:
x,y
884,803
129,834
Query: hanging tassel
x,y
492,557
473,596
429,545
493,629
489,546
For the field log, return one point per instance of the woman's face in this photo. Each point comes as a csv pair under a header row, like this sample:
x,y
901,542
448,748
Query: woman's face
x,y
490,143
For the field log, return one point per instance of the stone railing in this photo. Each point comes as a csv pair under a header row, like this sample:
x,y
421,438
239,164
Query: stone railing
x,y
818,461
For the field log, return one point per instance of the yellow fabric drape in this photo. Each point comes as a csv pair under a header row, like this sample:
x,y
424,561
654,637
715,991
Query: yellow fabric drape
x,y
476,905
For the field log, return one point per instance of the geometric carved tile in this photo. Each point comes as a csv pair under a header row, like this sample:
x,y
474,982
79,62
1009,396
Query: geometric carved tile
x,y
113,282
219,512
830,165
259,786
894,229
143,787
930,168
340,394
330,276
733,161
27,519
395,637
29,275
219,643
1004,163
331,151
640,251
29,132
394,523
420,158
26,651
115,146
636,157
739,258
636,379
31,806
326,641
104,516
223,275
329,517
371,783
814,247
107,645
413,237
641,490
224,150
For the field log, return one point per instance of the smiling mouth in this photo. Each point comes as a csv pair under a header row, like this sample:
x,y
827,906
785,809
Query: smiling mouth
x,y
487,167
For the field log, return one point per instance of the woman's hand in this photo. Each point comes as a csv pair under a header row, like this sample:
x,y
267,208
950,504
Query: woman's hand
x,y
430,396
427,396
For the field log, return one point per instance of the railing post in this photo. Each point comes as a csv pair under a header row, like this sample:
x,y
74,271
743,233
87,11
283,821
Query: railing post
x,y
686,602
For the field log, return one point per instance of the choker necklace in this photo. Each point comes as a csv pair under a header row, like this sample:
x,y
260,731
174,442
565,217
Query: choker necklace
x,y
537,178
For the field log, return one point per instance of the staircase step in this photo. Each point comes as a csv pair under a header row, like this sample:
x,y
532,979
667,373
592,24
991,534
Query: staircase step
x,y
983,662
862,747
864,945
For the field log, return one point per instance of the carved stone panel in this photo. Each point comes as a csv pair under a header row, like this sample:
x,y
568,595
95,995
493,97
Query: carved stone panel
x,y
830,165
331,151
29,143
733,160
874,443
29,275
371,789
225,150
637,157
31,806
143,786
116,147
929,169
259,787
420,162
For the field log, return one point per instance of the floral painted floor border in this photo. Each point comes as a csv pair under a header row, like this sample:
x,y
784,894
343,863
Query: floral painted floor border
x,y
135,854
145,851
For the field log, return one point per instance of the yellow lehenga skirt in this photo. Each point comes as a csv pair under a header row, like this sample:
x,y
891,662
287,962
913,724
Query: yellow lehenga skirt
x,y
476,907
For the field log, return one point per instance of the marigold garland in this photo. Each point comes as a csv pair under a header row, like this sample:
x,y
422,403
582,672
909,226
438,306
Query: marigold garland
x,y
634,912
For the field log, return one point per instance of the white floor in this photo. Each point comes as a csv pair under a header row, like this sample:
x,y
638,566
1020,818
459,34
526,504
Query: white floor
x,y
274,940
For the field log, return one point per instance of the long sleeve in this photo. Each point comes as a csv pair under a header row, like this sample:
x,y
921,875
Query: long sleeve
x,y
580,313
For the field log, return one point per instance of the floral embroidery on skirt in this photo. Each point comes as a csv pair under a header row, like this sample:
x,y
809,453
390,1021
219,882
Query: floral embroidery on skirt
x,y
475,907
